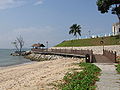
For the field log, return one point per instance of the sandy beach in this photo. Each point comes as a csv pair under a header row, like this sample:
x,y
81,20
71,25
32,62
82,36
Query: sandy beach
x,y
35,76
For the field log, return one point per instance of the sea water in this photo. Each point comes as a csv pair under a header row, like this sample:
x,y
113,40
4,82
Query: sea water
x,y
7,60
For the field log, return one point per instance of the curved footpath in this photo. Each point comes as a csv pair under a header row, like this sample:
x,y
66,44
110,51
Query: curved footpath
x,y
109,79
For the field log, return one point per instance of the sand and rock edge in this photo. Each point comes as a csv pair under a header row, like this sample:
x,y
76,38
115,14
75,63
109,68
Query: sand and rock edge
x,y
36,76
42,57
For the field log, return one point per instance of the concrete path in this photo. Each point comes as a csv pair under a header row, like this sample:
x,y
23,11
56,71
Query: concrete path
x,y
109,79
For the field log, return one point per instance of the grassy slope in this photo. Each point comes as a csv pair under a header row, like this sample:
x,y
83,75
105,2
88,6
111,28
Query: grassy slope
x,y
113,40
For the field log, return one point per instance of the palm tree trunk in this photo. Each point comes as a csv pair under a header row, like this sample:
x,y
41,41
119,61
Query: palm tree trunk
x,y
78,37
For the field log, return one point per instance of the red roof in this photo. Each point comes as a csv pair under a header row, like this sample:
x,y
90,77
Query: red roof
x,y
38,45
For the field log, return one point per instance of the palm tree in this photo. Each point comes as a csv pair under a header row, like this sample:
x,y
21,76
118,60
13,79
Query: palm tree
x,y
75,30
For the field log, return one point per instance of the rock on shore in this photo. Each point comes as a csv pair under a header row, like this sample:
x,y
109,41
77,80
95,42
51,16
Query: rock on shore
x,y
23,53
40,57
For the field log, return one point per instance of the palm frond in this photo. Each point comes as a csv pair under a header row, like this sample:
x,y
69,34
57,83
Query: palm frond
x,y
75,29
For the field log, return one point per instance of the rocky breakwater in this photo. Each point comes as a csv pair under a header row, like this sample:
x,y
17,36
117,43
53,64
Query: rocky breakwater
x,y
41,57
22,53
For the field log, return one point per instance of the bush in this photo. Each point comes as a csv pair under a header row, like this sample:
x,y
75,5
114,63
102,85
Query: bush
x,y
118,59
118,68
117,36
84,80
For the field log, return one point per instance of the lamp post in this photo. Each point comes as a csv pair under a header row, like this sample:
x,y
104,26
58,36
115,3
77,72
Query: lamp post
x,y
102,43
47,45
72,46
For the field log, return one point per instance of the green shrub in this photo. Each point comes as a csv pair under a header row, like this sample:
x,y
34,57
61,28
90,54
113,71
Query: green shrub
x,y
118,68
118,59
84,80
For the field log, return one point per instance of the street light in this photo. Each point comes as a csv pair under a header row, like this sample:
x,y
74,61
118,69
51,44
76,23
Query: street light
x,y
47,45
102,43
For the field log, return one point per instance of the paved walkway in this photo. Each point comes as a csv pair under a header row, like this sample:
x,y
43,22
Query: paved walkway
x,y
109,79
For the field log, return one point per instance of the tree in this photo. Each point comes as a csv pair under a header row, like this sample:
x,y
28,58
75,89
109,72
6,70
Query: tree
x,y
16,45
19,43
105,5
75,30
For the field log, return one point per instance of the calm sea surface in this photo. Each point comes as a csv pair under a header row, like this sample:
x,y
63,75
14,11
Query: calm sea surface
x,y
7,60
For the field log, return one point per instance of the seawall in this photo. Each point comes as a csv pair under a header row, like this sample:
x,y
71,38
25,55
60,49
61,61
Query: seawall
x,y
96,49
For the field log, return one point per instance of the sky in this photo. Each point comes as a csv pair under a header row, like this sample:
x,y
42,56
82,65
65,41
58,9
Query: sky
x,y
39,21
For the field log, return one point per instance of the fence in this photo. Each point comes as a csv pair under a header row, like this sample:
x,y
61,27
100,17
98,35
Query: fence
x,y
110,54
71,51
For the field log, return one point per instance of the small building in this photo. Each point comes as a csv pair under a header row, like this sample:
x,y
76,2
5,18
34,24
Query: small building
x,y
38,46
116,28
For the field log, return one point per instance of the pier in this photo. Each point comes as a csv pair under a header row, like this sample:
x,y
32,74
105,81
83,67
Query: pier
x,y
87,54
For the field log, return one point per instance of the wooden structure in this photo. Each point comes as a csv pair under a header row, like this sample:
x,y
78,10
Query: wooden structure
x,y
38,46
110,54
87,54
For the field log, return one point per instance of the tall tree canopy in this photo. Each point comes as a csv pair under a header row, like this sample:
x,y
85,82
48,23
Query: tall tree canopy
x,y
75,30
105,5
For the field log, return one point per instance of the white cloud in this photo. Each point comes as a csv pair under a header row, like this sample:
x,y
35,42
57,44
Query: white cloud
x,y
38,2
5,4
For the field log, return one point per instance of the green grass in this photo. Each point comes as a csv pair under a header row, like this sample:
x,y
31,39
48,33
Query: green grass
x,y
118,68
112,40
84,80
